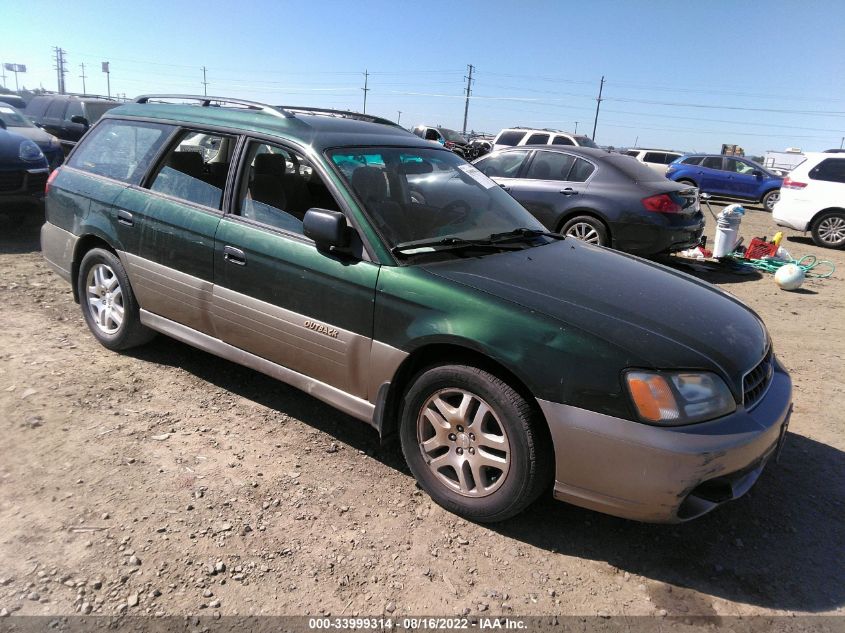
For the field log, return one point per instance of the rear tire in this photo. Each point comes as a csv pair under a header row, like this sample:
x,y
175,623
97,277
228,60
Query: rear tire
x,y
108,304
828,230
587,229
474,444
770,199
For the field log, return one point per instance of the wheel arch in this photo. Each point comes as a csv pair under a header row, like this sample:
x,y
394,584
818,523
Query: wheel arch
x,y
441,353
588,211
823,212
83,245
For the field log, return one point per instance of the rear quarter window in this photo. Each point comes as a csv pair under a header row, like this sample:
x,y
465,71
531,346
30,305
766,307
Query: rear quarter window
x,y
830,170
632,168
692,160
121,150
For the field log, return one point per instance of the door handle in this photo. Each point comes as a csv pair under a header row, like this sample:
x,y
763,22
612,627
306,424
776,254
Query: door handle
x,y
569,191
124,217
234,255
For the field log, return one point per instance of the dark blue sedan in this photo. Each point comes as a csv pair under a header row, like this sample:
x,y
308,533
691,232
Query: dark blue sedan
x,y
23,169
728,176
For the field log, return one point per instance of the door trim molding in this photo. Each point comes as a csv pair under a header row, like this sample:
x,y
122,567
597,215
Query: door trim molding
x,y
349,404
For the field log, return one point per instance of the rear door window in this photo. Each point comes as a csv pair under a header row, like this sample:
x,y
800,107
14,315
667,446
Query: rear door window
x,y
655,157
551,166
56,109
537,139
510,138
712,162
562,140
830,169
195,168
122,150
692,160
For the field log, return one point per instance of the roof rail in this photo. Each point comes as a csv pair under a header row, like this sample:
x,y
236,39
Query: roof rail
x,y
346,114
206,101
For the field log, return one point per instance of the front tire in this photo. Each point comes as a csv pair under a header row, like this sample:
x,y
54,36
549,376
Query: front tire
x,y
474,444
587,229
108,304
829,230
770,199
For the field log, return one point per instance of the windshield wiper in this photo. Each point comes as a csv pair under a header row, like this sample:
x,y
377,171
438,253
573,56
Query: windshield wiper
x,y
520,234
449,244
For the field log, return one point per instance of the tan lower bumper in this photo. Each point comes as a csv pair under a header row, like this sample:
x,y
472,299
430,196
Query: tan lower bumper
x,y
668,474
57,246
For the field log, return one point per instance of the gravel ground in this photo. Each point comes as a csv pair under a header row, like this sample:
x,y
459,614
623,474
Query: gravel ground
x,y
168,482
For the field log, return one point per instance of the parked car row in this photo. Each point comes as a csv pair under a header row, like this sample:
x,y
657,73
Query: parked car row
x,y
402,285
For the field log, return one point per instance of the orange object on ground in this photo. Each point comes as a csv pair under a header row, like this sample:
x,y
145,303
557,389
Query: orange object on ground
x,y
758,249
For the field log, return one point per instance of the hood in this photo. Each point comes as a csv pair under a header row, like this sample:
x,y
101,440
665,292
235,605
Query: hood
x,y
36,134
663,318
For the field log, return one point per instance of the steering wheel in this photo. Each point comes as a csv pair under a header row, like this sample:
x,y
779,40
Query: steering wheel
x,y
458,209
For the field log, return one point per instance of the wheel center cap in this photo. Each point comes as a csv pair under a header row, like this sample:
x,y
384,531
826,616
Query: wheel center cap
x,y
463,440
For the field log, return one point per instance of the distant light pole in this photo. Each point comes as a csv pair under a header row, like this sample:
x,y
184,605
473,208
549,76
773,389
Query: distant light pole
x,y
15,68
576,127
399,117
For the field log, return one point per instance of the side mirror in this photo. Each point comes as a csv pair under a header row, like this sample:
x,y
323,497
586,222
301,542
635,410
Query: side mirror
x,y
327,228
79,119
757,173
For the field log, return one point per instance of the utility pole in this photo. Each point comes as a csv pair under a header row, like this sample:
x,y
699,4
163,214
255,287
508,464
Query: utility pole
x,y
82,65
466,103
365,89
3,73
576,127
598,105
60,69
204,83
105,66
399,117
842,142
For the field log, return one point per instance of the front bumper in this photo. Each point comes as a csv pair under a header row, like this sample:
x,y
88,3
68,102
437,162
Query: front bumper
x,y
664,474
23,184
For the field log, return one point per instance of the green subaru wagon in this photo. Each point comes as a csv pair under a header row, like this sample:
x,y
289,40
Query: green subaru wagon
x,y
345,256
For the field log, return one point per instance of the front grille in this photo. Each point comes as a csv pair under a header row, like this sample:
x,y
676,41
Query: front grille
x,y
756,381
11,180
36,183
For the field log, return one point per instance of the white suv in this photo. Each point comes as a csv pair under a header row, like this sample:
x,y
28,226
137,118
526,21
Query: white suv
x,y
513,136
656,159
812,198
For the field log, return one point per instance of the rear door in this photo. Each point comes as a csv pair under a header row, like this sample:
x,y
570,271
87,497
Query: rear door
x,y
712,177
170,222
54,119
553,182
275,295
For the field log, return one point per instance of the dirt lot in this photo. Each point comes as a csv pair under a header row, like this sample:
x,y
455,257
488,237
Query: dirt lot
x,y
167,481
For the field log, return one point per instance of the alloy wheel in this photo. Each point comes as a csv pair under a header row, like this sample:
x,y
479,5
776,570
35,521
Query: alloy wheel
x,y
585,232
463,442
832,230
771,199
105,298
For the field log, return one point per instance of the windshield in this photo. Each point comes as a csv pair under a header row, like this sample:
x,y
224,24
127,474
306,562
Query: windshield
x,y
451,135
13,117
416,194
586,141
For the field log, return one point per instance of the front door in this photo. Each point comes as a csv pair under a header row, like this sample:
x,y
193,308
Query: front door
x,y
275,295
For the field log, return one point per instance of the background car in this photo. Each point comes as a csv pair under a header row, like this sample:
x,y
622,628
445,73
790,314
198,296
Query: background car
x,y
813,199
67,116
451,139
23,168
600,197
16,122
516,136
656,159
729,176
13,100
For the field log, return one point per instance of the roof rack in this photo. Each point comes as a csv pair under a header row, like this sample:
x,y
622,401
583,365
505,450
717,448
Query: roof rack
x,y
206,101
346,114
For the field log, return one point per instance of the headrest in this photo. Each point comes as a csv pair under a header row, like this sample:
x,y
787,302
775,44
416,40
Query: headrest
x,y
270,164
187,162
370,183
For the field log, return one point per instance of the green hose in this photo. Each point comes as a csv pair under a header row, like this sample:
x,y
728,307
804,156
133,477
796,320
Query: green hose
x,y
807,263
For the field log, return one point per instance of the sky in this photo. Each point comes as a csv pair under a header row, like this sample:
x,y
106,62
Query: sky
x,y
764,74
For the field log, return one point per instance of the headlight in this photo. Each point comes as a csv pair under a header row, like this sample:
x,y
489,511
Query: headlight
x,y
675,398
29,151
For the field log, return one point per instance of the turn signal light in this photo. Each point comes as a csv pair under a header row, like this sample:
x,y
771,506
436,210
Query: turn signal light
x,y
788,183
661,203
653,397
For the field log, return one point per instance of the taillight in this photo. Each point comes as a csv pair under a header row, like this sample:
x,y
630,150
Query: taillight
x,y
788,183
50,180
661,203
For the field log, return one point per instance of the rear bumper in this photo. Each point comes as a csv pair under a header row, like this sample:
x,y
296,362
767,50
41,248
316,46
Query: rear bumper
x,y
660,235
792,215
664,475
57,247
